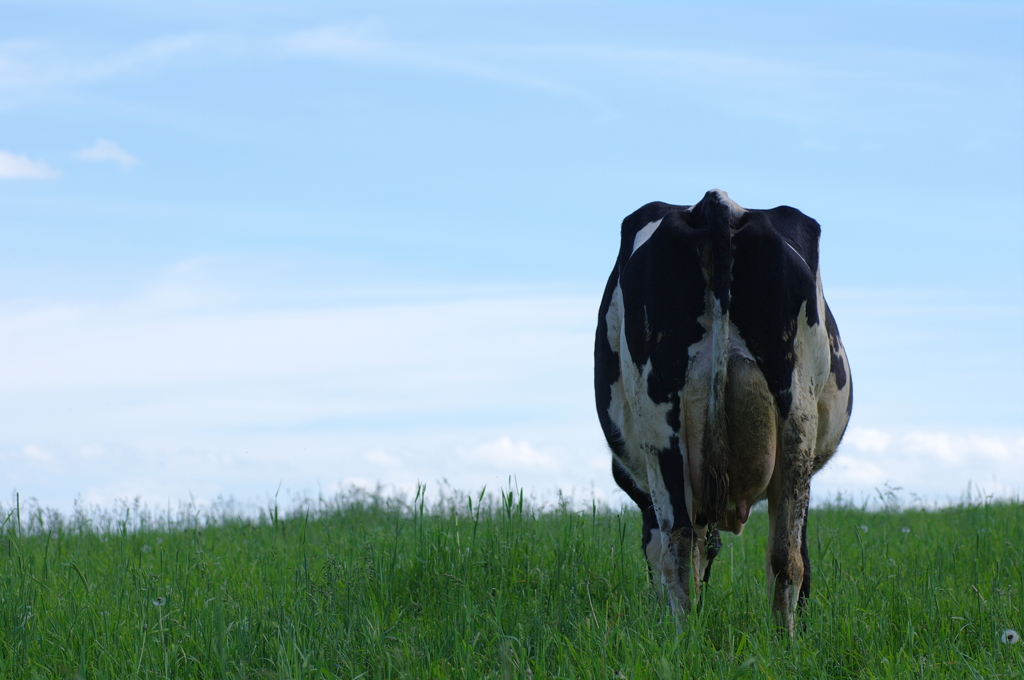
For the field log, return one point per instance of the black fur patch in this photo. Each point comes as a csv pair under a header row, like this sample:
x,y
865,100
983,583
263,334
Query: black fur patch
x,y
770,283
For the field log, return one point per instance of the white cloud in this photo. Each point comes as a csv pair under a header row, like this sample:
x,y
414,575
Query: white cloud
x,y
933,465
856,470
423,357
164,398
938,444
91,451
469,390
865,439
958,449
381,458
509,455
22,167
36,453
106,150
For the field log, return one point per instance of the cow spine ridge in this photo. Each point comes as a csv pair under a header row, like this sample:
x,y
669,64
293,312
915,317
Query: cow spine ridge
x,y
716,214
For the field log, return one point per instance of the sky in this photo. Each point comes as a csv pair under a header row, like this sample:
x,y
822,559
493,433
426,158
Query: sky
x,y
264,249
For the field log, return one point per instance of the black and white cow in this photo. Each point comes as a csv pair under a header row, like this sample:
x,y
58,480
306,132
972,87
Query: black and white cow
x,y
720,381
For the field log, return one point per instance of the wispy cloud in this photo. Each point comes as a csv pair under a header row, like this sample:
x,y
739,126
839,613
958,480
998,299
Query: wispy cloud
x,y
106,150
23,167
366,43
822,87
353,39
31,70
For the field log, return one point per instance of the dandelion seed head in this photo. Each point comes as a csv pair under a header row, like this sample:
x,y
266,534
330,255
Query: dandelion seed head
x,y
159,540
863,528
1010,637
159,602
905,530
147,549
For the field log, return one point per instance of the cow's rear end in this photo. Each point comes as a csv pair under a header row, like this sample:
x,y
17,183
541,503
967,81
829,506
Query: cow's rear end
x,y
720,381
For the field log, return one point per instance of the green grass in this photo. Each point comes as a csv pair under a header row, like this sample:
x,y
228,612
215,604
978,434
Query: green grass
x,y
369,587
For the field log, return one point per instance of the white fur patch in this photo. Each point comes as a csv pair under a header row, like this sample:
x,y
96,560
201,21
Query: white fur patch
x,y
644,234
641,421
647,426
646,421
813,360
636,415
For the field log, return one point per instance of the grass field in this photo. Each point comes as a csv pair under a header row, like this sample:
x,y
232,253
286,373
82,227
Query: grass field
x,y
368,587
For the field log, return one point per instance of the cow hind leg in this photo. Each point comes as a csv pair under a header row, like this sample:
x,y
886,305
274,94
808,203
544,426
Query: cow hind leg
x,y
788,500
654,547
805,585
677,565
785,563
678,539
650,542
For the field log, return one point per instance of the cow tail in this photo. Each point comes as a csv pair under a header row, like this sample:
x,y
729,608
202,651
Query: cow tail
x,y
715,444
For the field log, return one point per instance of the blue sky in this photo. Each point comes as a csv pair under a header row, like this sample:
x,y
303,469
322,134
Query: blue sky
x,y
315,245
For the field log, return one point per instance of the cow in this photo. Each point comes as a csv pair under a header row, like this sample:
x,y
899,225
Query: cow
x,y
720,381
